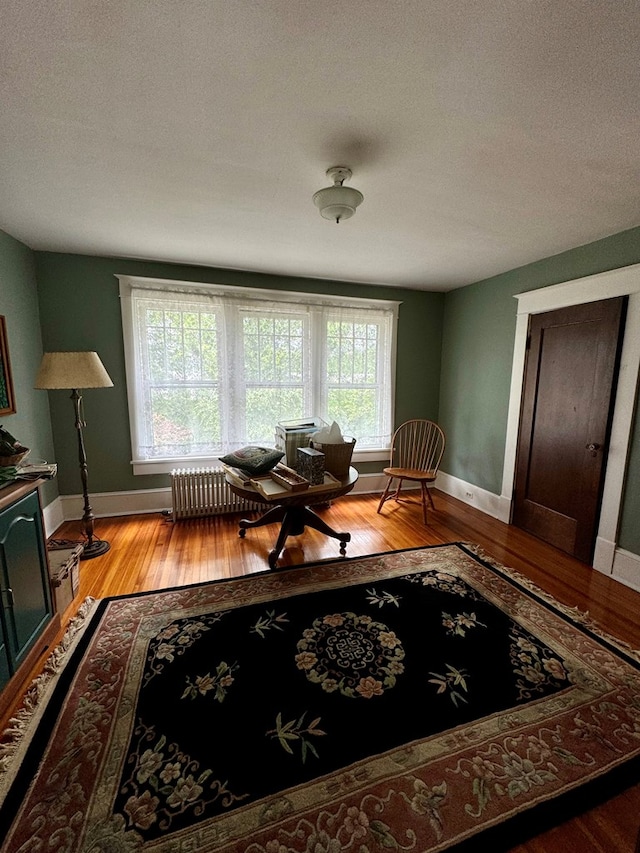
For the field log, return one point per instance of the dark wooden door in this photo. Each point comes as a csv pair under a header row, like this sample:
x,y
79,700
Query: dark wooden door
x,y
569,383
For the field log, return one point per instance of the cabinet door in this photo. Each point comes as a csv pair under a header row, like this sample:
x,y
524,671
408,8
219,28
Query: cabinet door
x,y
26,596
5,669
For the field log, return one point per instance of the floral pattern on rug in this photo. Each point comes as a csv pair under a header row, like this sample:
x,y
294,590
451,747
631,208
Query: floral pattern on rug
x,y
174,639
163,783
533,666
406,701
350,653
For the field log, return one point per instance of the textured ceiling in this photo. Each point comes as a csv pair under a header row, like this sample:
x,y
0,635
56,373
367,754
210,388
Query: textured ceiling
x,y
483,135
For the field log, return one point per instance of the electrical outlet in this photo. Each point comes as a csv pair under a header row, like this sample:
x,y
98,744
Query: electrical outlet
x,y
469,495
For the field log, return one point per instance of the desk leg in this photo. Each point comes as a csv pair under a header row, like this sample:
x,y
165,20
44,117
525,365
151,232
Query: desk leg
x,y
277,513
313,520
294,520
293,523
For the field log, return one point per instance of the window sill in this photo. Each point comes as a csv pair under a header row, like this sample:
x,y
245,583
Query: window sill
x,y
165,466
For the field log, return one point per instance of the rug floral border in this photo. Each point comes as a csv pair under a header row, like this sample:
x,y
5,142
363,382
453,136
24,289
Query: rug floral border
x,y
499,768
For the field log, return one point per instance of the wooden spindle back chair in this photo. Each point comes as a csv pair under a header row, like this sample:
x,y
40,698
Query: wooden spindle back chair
x,y
416,452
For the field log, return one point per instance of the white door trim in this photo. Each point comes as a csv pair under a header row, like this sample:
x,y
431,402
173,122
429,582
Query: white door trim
x,y
606,285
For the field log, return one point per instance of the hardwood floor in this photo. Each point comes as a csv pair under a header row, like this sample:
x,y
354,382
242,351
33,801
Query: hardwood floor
x,y
149,552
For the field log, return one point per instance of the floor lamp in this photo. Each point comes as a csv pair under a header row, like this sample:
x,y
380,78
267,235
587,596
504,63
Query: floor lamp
x,y
77,370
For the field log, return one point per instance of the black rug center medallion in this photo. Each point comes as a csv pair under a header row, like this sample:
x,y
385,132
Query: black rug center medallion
x,y
351,653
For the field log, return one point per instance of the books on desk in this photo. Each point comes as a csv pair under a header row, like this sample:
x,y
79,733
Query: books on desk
x,y
237,476
281,481
288,478
268,487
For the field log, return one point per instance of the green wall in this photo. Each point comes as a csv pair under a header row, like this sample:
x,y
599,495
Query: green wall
x,y
80,310
19,305
454,358
478,336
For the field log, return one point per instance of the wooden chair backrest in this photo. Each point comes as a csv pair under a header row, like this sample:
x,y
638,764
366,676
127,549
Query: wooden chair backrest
x,y
418,444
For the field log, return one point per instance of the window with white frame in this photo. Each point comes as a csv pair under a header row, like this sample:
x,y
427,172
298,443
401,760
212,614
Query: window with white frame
x,y
211,368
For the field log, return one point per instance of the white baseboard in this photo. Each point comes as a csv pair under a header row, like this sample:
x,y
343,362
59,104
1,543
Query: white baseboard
x,y
106,504
140,501
53,516
626,568
604,555
370,484
617,563
494,505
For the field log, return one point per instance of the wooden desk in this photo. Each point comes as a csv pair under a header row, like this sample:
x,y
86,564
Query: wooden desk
x,y
294,513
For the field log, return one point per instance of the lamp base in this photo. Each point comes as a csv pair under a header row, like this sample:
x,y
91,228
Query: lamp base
x,y
96,549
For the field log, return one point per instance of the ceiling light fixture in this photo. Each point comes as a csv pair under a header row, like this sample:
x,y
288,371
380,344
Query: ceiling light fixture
x,y
337,202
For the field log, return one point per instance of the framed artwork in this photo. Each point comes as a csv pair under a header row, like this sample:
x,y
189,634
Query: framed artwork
x,y
7,400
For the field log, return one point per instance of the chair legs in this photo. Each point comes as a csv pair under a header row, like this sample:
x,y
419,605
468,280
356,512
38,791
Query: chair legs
x,y
433,506
425,494
385,494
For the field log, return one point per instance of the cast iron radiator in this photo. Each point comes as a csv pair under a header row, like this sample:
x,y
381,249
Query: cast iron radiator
x,y
198,492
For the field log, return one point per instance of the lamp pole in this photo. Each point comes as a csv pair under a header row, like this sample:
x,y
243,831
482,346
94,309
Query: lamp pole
x,y
93,547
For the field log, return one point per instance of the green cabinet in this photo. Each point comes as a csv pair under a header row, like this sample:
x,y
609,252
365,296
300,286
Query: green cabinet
x,y
24,578
5,668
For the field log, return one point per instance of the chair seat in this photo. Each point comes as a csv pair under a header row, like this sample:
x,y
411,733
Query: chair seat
x,y
411,474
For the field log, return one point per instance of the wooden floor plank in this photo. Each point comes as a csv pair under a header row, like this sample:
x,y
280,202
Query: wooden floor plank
x,y
149,552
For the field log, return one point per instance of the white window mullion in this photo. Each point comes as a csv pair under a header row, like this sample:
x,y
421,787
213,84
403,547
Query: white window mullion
x,y
145,419
382,369
137,389
233,396
317,396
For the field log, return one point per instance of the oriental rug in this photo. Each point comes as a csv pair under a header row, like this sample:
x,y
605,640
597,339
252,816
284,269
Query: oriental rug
x,y
423,700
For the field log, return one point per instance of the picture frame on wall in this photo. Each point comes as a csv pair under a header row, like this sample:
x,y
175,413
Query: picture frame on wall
x,y
7,399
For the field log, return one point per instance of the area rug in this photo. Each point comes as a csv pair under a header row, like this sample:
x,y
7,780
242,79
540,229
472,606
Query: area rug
x,y
421,700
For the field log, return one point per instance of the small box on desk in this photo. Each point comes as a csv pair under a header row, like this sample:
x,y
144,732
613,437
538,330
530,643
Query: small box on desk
x,y
293,434
64,571
310,465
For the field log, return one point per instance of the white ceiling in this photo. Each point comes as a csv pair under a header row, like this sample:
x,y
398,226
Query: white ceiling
x,y
484,135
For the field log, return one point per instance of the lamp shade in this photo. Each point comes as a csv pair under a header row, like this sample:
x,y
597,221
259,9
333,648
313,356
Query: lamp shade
x,y
72,370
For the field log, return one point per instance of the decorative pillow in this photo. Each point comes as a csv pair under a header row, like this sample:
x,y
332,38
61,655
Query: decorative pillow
x,y
253,460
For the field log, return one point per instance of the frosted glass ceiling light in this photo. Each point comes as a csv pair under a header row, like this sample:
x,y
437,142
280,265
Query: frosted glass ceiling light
x,y
337,202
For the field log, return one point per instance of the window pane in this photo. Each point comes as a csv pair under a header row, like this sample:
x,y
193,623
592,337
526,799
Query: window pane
x,y
273,349
352,353
267,406
185,420
156,349
356,410
182,346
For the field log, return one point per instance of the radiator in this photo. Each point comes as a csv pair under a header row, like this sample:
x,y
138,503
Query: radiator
x,y
198,492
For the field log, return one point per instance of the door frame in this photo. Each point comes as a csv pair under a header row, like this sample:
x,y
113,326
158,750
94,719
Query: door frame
x,y
620,282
